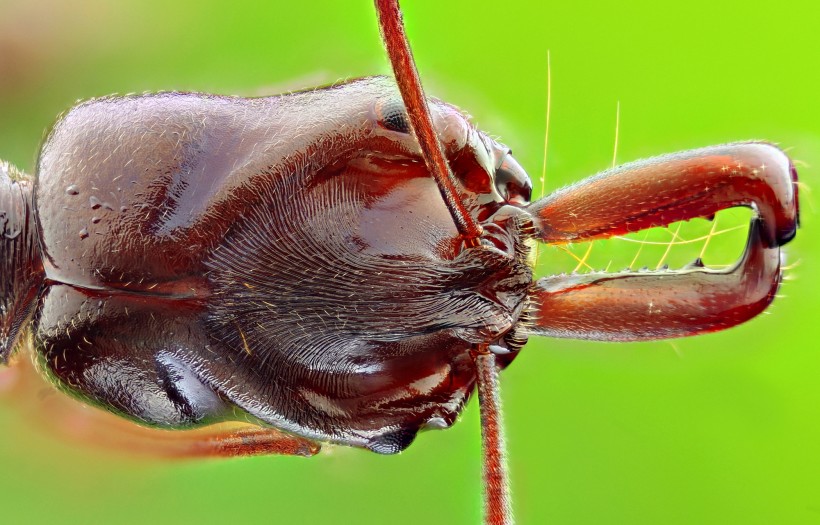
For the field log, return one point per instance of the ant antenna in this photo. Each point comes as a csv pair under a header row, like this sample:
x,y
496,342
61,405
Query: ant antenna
x,y
496,483
497,501
404,69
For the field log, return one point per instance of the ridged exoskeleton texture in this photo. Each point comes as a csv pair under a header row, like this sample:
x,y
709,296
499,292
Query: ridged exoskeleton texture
x,y
21,268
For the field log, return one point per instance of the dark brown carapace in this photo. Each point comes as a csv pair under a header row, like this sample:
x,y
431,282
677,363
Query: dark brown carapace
x,y
343,264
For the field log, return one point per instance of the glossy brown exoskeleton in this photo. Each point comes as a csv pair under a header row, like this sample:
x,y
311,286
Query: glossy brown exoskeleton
x,y
182,259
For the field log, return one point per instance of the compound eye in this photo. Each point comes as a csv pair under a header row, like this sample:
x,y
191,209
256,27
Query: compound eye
x,y
512,182
392,115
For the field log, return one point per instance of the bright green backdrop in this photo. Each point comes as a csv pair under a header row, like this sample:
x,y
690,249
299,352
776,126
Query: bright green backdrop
x,y
720,429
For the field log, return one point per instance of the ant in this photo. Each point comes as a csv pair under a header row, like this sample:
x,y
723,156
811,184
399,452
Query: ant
x,y
183,259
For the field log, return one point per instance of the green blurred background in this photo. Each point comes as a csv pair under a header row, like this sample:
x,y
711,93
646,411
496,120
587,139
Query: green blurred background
x,y
719,429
